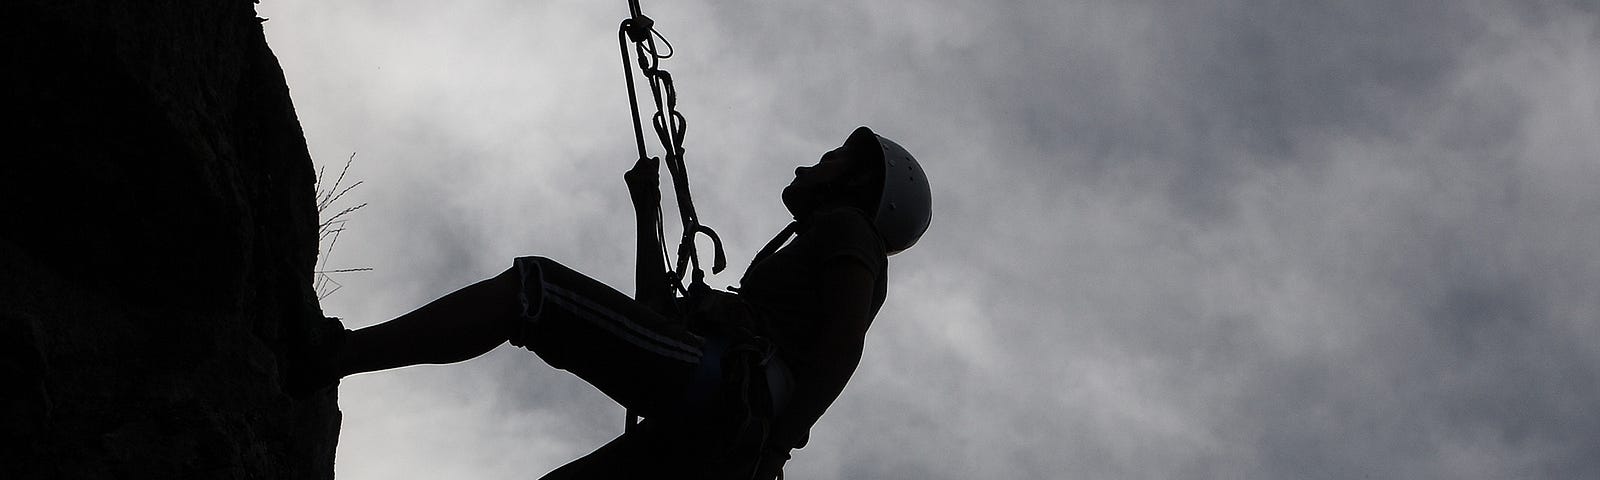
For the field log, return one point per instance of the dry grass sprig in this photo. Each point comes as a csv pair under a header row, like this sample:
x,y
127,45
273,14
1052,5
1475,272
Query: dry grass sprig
x,y
329,229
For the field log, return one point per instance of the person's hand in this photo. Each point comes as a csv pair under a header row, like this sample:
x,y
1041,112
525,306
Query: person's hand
x,y
644,182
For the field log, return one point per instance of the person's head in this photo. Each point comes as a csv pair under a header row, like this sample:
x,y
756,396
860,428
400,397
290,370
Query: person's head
x,y
848,176
873,174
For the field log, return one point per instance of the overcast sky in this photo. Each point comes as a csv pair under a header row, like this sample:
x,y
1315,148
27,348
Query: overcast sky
x,y
1188,239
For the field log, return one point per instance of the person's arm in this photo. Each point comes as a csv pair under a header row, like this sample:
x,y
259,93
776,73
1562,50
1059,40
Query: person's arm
x,y
650,273
847,293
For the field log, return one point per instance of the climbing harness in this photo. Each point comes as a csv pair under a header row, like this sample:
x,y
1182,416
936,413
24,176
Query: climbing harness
x,y
669,126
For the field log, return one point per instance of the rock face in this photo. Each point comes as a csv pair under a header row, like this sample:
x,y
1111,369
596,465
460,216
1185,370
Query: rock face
x,y
157,239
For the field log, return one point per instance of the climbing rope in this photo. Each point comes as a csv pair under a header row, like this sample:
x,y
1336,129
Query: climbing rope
x,y
669,126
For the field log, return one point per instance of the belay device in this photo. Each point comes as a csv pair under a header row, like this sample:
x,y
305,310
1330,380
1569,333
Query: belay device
x,y
669,126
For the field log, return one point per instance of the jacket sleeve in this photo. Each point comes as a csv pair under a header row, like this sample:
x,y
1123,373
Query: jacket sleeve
x,y
650,273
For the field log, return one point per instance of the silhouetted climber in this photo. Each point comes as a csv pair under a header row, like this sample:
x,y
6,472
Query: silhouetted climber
x,y
727,383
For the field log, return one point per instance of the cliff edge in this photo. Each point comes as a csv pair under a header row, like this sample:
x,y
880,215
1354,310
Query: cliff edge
x,y
157,239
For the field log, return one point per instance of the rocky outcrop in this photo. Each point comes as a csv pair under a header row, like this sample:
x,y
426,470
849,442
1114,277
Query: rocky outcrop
x,y
157,240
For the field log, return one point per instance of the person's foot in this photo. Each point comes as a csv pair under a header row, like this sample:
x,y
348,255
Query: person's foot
x,y
311,367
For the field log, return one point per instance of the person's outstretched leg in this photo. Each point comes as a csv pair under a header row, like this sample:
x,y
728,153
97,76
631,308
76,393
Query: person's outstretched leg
x,y
459,326
636,356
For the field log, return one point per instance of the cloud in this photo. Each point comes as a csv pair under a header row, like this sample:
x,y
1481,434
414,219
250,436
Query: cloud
x,y
1231,239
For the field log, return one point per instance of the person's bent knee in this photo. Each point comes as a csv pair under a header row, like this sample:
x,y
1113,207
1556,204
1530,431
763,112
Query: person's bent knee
x,y
526,276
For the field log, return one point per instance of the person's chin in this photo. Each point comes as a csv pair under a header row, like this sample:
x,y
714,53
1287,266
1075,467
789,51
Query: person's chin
x,y
798,200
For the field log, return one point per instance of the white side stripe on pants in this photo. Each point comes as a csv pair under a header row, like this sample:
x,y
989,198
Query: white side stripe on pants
x,y
619,325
